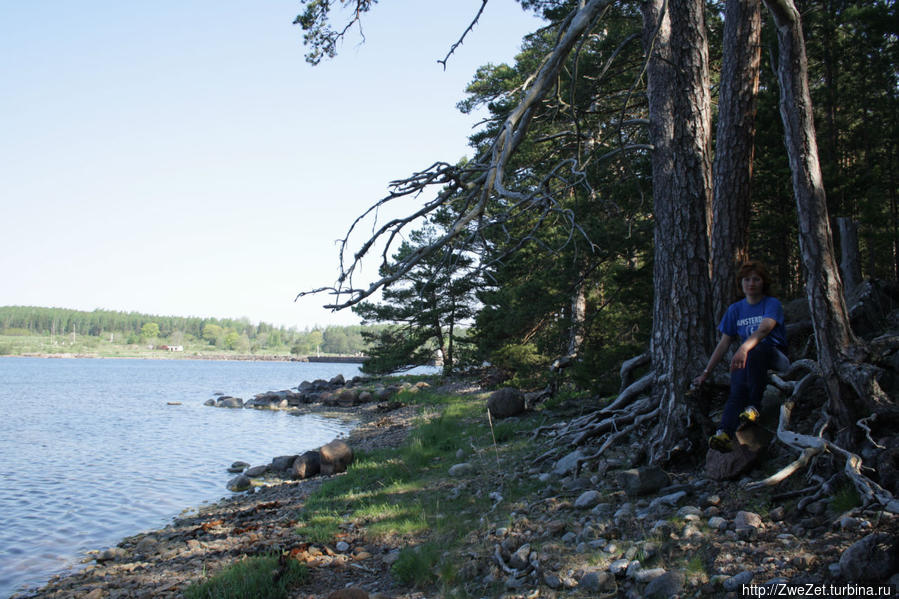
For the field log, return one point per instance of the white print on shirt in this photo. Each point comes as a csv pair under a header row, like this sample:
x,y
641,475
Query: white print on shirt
x,y
751,323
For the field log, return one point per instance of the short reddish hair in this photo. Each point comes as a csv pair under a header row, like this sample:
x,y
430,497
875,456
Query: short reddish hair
x,y
758,268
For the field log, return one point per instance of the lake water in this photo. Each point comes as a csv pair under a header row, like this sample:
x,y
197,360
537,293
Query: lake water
x,y
90,451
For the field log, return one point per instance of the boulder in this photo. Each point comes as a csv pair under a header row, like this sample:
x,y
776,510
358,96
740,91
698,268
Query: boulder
x,y
306,465
238,467
337,381
751,441
506,402
282,463
351,593
348,397
335,457
209,402
872,559
239,483
643,481
568,463
229,402
667,585
256,471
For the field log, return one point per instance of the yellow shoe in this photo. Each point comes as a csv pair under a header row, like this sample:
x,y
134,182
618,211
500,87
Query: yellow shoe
x,y
721,441
749,416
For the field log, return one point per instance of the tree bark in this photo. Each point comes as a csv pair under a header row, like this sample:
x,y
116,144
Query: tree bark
x,y
824,289
734,147
850,262
680,123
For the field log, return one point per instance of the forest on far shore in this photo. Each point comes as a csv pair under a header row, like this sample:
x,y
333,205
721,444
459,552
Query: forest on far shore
x,y
30,329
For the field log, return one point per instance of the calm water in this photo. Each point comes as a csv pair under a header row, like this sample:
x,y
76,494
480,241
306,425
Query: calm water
x,y
91,452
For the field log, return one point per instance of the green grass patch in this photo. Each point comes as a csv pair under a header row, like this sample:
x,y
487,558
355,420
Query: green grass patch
x,y
405,495
260,577
416,565
845,498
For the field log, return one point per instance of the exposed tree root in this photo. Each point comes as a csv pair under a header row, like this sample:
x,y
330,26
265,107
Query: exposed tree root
x,y
809,445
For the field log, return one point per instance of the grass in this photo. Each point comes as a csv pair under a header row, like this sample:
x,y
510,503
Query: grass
x,y
845,498
405,494
261,577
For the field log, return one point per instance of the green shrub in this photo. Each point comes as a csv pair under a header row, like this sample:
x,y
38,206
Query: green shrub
x,y
262,577
845,498
415,565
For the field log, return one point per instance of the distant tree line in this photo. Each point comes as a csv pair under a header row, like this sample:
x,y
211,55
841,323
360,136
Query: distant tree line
x,y
227,334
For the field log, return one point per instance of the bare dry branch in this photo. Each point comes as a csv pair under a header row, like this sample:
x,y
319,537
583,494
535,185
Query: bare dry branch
x,y
464,33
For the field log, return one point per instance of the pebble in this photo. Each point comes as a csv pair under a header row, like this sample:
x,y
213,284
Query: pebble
x,y
587,500
735,583
619,567
342,546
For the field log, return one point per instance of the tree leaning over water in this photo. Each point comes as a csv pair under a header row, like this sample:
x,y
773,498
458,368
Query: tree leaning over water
x,y
679,124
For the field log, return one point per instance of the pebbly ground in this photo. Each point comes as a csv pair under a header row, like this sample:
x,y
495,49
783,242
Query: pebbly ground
x,y
587,535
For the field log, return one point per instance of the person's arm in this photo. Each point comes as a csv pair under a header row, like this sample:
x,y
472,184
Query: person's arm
x,y
760,333
719,352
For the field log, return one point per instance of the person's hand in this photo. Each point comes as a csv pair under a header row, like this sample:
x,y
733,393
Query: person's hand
x,y
698,381
739,361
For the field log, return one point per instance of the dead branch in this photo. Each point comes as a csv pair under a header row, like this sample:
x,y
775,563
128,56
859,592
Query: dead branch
x,y
472,185
464,33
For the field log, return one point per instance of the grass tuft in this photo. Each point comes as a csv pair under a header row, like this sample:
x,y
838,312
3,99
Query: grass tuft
x,y
262,577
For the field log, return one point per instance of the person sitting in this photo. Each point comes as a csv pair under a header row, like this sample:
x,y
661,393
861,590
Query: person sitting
x,y
757,321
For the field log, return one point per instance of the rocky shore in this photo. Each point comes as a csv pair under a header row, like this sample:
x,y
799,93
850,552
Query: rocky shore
x,y
618,531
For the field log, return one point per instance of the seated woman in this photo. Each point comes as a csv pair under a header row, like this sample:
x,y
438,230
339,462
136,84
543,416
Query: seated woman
x,y
758,322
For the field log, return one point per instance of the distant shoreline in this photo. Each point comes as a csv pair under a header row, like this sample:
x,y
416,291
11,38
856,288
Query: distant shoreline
x,y
210,357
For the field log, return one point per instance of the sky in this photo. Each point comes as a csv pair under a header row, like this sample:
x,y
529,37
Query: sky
x,y
182,158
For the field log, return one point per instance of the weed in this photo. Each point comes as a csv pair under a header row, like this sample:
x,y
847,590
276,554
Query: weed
x,y
263,577
415,565
845,498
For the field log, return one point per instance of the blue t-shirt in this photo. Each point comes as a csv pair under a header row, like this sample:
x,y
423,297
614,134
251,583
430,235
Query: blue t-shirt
x,y
742,319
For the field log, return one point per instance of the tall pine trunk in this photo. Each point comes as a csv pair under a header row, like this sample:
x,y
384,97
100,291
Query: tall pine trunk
x,y
824,289
734,147
680,123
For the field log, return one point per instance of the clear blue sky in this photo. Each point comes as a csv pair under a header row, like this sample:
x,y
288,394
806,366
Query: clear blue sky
x,y
181,158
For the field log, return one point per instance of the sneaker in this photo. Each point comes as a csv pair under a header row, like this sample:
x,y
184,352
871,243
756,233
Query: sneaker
x,y
749,416
720,441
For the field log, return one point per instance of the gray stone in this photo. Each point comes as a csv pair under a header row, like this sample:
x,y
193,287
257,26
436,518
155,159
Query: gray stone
x,y
587,500
337,381
282,463
594,581
462,469
229,402
664,586
648,575
552,581
619,567
335,456
717,523
747,519
643,481
505,402
342,546
669,500
689,510
256,471
305,466
735,583
209,402
568,463
871,559
238,467
519,559
239,483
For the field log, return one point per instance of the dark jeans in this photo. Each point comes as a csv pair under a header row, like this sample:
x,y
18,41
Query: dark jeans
x,y
747,385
